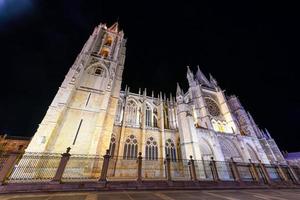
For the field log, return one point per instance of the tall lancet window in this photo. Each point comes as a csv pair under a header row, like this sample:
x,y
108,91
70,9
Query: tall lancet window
x,y
170,150
130,148
119,113
155,117
166,118
112,145
148,115
131,113
151,149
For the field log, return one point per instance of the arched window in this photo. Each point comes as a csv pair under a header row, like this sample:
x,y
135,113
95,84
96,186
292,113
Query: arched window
x,y
130,148
131,113
155,117
166,117
151,149
108,41
99,71
148,115
104,52
230,150
119,112
171,150
112,145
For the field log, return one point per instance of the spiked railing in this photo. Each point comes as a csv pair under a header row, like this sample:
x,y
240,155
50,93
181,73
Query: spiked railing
x,y
57,168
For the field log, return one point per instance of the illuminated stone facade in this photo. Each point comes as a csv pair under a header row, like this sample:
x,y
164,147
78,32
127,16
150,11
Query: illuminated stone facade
x,y
90,114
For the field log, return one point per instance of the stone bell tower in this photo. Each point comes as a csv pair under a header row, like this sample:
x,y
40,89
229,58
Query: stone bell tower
x,y
82,114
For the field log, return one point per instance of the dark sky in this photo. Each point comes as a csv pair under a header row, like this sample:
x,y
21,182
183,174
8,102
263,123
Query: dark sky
x,y
251,49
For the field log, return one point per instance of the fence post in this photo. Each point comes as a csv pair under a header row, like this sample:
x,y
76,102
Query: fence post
x,y
293,174
281,173
105,166
168,167
254,171
61,167
265,172
193,169
235,171
140,160
8,167
214,169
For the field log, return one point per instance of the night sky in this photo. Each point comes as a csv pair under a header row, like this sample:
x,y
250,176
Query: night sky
x,y
251,49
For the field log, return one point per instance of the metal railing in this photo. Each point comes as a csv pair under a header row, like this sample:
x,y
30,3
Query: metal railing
x,y
35,167
83,168
46,167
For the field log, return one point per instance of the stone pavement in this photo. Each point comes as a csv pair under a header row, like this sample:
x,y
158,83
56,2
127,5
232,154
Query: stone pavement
x,y
254,194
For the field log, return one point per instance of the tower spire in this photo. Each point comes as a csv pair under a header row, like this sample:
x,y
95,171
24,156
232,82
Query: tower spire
x,y
114,27
201,77
178,90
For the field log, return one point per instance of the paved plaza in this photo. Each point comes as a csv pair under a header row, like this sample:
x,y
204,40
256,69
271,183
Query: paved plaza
x,y
280,194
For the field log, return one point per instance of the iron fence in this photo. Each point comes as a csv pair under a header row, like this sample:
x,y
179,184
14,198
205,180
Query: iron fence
x,y
273,172
203,169
35,167
245,172
154,169
83,168
180,170
224,171
122,168
42,167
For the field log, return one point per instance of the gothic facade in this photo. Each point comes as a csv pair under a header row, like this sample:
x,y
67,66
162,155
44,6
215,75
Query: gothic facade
x,y
91,114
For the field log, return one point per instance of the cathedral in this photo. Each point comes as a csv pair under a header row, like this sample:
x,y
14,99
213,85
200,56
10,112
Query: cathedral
x,y
91,114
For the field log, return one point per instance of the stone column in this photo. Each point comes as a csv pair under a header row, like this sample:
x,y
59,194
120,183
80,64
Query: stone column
x,y
193,169
214,169
254,171
265,172
105,166
140,160
61,167
8,167
235,171
168,168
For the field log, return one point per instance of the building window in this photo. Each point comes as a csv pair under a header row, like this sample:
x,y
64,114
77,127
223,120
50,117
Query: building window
x,y
130,148
151,149
148,115
108,41
166,118
170,149
155,117
99,71
104,53
131,113
119,112
112,146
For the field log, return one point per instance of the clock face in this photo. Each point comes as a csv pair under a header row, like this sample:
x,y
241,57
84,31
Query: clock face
x,y
213,108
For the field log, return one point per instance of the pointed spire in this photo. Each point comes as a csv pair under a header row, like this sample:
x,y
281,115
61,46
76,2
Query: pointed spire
x,y
152,94
178,90
201,77
189,72
114,27
139,91
145,92
213,81
171,98
160,97
268,134
126,88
